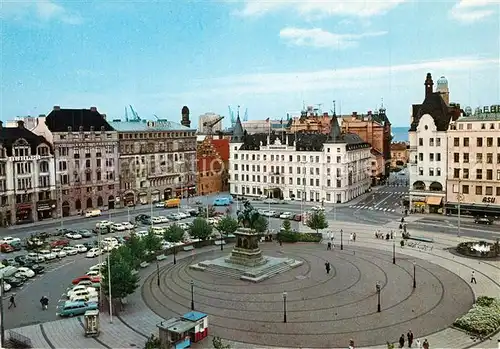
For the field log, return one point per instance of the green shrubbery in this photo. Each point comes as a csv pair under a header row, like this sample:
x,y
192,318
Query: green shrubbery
x,y
483,319
293,236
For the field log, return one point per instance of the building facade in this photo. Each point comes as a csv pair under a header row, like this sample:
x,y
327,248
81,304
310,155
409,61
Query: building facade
x,y
157,160
429,148
399,154
27,176
375,129
331,168
310,120
213,166
473,177
86,160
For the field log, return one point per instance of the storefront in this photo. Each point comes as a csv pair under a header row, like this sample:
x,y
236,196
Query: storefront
x,y
155,196
24,213
490,210
129,199
143,198
46,209
167,194
192,190
418,204
435,204
5,217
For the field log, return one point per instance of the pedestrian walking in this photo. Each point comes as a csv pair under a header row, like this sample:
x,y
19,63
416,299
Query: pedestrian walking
x,y
44,301
473,278
402,341
425,344
354,237
329,246
409,335
327,267
12,302
392,235
351,237
418,344
351,344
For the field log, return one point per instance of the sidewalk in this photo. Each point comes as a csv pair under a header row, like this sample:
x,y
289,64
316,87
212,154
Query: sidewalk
x,y
137,321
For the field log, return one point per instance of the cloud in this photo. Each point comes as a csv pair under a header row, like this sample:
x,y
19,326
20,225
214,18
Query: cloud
x,y
44,10
319,8
320,38
470,11
363,77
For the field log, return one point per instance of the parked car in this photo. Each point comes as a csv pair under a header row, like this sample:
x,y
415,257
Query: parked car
x,y
9,240
184,215
6,287
35,257
26,272
160,204
93,273
73,235
6,248
81,248
93,279
79,288
37,268
286,215
93,252
128,225
318,208
174,216
21,260
47,255
10,262
89,283
69,308
93,213
85,233
141,234
70,251
85,294
483,220
59,252
59,243
13,281
271,201
156,220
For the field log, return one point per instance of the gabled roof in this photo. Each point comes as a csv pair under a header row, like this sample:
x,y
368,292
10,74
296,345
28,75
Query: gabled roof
x,y
335,135
238,132
60,119
222,147
9,135
436,107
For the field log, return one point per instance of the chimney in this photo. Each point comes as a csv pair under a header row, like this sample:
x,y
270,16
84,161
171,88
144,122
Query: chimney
x,y
104,116
325,114
369,112
355,113
94,109
41,115
56,107
20,124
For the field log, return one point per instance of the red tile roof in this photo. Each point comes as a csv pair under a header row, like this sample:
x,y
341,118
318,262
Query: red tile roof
x,y
222,147
209,163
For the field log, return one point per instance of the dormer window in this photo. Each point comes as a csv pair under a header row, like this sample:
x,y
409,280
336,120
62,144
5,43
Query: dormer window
x,y
91,128
70,129
102,129
80,128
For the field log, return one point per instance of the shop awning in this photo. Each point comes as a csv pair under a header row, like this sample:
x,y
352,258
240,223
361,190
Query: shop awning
x,y
434,200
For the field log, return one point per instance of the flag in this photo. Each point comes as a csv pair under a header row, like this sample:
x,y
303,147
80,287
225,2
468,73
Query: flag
x,y
281,121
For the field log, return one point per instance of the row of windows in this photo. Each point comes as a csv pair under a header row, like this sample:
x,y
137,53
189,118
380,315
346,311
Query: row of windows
x,y
77,135
63,165
432,172
25,168
469,126
479,158
479,142
109,176
151,135
26,183
479,174
488,190
432,157
299,181
312,196
431,142
303,158
281,170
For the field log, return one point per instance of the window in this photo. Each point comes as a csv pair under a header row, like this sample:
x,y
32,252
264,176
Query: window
x,y
438,142
479,190
455,188
489,175
420,141
63,166
498,142
488,191
479,174
479,142
438,171
339,160
498,158
498,175
489,158
339,183
317,182
466,158
328,159
311,182
328,183
420,157
456,173
431,172
460,126
479,158
456,142
489,141
431,156
456,157
431,142
466,173
420,171
466,141
438,156
465,189
469,126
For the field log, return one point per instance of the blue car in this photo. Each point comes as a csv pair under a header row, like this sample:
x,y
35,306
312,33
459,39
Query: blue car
x,y
222,202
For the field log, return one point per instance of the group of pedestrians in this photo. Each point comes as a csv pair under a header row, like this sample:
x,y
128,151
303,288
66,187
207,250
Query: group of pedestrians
x,y
409,338
44,301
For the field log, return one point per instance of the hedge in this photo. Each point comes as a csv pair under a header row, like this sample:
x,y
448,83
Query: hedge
x,y
483,319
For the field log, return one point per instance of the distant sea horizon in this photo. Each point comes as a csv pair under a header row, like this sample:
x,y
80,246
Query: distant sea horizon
x,y
400,134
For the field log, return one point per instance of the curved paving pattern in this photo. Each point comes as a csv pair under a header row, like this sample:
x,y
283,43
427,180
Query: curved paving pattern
x,y
323,310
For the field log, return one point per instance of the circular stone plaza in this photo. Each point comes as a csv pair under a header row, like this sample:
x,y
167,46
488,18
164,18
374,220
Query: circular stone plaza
x,y
322,310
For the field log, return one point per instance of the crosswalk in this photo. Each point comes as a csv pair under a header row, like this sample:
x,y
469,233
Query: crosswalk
x,y
393,192
372,208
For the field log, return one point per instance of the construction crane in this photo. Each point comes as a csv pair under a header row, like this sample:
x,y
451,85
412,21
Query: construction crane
x,y
136,116
231,115
210,124
245,117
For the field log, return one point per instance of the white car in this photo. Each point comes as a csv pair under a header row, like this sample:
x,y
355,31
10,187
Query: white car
x,y
79,288
35,257
71,251
83,294
81,248
271,201
93,252
25,272
9,240
108,247
97,266
286,215
128,225
156,220
176,216
93,273
269,213
184,215
103,224
165,245
118,227
141,234
110,240
60,253
184,226
6,287
158,230
160,205
163,219
74,236
318,208
47,254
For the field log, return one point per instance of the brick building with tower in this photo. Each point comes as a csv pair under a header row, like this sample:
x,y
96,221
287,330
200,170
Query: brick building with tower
x,y
213,165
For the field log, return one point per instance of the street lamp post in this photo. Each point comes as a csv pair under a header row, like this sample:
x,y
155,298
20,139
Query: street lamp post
x,y
394,252
284,307
221,242
341,239
414,274
158,273
377,286
2,327
175,252
192,295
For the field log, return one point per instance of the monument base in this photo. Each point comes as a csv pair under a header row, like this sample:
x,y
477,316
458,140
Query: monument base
x,y
269,267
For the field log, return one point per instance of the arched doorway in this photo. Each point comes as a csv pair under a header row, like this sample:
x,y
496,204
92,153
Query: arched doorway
x,y
436,186
89,203
167,194
78,205
400,163
66,209
419,185
100,202
111,202
129,199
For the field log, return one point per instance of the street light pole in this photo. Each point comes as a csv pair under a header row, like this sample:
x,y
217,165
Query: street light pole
x,y
284,307
414,274
175,251
2,327
221,242
109,291
341,239
378,297
394,252
192,295
158,273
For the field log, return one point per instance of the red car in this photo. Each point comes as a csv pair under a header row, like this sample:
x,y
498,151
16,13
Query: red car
x,y
6,248
59,243
93,279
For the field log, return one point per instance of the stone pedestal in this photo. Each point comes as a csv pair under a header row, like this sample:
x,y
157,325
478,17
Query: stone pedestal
x,y
247,251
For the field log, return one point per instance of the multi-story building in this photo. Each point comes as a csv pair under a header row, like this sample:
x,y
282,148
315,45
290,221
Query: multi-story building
x,y
473,176
213,166
310,120
86,155
375,129
157,159
331,168
399,154
429,147
27,176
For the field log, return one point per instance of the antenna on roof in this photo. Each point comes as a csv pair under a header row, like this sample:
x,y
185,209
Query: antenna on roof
x,y
126,114
157,118
382,102
334,111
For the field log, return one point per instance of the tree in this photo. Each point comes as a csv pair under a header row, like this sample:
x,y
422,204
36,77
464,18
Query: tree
x,y
317,221
260,224
218,344
200,229
153,342
137,250
287,226
123,281
173,233
151,242
202,211
227,225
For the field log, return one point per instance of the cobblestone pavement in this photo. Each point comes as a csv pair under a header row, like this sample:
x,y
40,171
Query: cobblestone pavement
x,y
359,266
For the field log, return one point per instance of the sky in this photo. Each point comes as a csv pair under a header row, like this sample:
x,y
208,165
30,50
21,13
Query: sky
x,y
269,57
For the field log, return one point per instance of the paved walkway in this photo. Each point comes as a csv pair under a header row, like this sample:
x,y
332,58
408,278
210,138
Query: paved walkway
x,y
137,322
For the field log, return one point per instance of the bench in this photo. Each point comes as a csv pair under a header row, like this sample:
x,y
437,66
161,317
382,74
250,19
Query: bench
x,y
219,242
144,264
188,248
421,238
19,340
161,257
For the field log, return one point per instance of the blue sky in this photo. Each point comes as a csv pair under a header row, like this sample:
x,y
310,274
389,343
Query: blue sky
x,y
267,56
